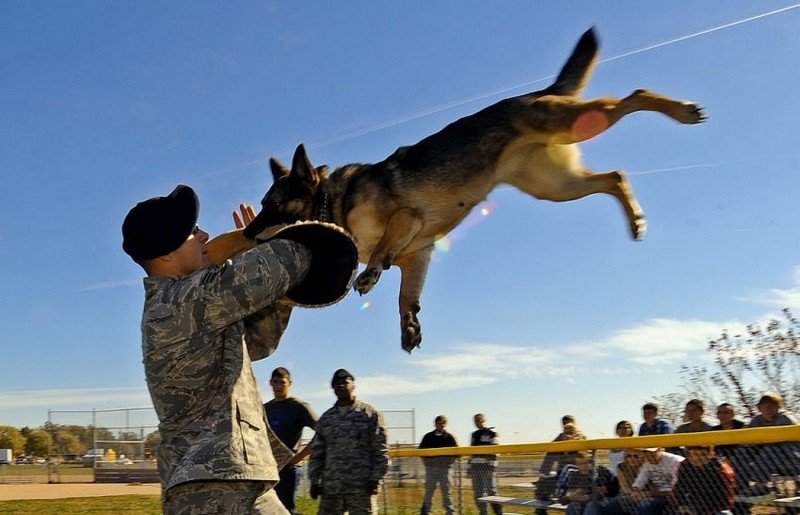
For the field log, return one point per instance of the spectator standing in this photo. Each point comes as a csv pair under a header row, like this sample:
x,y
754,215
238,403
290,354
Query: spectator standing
x,y
694,411
438,468
349,456
202,327
483,467
705,486
287,416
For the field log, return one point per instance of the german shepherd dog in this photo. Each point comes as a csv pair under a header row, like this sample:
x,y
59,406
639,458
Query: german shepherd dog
x,y
398,207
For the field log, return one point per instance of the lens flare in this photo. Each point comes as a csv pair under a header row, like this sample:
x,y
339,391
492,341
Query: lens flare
x,y
444,242
365,305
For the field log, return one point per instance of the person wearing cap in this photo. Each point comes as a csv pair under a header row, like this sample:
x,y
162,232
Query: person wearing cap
x,y
202,327
349,455
287,416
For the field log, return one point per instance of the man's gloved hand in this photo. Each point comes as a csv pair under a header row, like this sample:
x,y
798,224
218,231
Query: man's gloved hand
x,y
316,491
372,487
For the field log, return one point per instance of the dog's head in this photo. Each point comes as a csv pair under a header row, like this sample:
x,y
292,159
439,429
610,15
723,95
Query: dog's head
x,y
293,194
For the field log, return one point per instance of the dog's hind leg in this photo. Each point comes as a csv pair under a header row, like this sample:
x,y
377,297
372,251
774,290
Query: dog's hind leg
x,y
401,228
571,120
563,185
414,268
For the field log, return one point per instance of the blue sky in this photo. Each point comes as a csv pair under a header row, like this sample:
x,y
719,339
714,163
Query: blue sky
x,y
539,309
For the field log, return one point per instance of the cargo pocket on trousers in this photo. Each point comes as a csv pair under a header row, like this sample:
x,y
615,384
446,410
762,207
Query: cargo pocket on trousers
x,y
251,431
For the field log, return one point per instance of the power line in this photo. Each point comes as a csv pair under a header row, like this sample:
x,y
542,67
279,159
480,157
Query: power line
x,y
399,121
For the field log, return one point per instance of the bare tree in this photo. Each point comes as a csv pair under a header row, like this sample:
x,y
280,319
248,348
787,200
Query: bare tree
x,y
746,365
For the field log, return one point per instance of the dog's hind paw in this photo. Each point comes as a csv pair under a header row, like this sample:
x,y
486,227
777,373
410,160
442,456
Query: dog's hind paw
x,y
412,332
366,280
638,228
692,113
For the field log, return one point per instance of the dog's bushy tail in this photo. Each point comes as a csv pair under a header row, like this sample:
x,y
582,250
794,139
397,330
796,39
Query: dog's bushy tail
x,y
578,68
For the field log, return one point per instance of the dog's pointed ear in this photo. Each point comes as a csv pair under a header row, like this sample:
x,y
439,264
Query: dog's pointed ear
x,y
302,167
278,170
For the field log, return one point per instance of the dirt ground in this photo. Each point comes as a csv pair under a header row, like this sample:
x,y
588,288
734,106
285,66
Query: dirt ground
x,y
62,490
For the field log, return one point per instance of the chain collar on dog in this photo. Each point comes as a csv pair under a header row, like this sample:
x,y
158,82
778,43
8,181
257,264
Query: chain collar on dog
x,y
324,215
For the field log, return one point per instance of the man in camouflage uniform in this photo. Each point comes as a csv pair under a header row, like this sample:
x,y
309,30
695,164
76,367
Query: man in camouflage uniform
x,y
349,456
202,326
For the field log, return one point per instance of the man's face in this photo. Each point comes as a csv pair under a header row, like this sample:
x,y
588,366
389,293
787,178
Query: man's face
x,y
769,409
440,424
192,255
649,415
343,388
582,462
725,414
480,421
693,413
280,385
653,456
698,457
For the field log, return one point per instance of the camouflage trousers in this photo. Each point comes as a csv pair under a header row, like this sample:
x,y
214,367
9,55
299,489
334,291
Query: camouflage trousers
x,y
217,497
352,503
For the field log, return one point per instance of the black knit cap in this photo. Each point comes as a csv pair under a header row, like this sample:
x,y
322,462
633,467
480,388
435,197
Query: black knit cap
x,y
160,225
341,374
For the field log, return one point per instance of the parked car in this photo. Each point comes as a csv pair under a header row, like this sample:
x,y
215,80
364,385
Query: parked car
x,y
91,456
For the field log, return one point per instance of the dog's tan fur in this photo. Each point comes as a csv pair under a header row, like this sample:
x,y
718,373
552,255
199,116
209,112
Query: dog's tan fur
x,y
397,208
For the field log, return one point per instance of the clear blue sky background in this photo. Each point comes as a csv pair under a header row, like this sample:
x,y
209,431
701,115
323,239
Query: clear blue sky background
x,y
540,309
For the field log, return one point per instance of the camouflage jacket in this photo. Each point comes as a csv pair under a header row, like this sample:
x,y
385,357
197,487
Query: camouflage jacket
x,y
348,449
199,334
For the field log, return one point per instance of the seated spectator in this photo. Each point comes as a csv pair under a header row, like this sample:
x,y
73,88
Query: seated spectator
x,y
705,486
651,488
546,485
554,458
733,453
776,458
652,424
617,456
626,475
693,412
574,486
727,420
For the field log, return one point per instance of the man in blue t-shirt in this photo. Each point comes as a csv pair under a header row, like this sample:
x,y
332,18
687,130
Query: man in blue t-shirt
x,y
287,417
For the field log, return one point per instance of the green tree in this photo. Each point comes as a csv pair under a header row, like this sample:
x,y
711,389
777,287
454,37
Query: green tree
x,y
11,438
38,443
67,443
151,442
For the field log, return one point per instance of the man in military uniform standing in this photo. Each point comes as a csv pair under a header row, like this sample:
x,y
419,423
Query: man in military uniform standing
x,y
349,456
483,467
202,325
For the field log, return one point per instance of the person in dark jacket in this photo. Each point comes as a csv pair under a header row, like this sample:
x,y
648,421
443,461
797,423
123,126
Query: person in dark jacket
x,y
705,486
438,468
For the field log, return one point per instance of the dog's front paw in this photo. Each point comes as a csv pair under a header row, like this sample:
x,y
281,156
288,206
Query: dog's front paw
x,y
366,280
412,332
692,113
